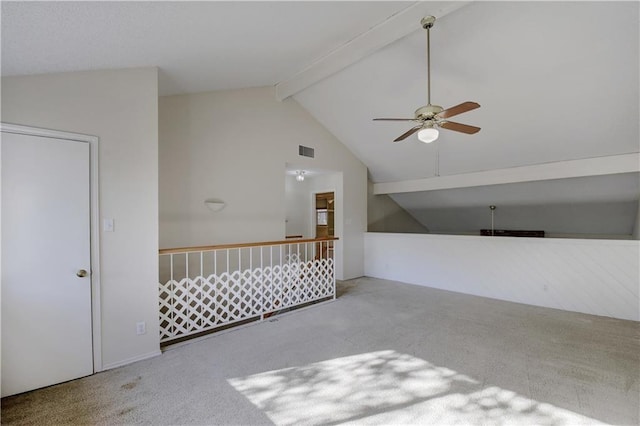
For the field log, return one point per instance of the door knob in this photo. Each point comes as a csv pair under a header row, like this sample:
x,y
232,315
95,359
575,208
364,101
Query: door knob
x,y
82,273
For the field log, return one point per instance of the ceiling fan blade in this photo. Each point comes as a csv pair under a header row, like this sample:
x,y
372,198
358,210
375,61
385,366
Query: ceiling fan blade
x,y
394,119
464,128
458,109
408,133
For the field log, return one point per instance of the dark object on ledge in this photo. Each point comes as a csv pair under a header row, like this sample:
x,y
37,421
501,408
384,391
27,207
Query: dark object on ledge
x,y
508,233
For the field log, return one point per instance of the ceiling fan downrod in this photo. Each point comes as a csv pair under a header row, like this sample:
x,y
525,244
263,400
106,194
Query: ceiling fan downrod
x,y
427,22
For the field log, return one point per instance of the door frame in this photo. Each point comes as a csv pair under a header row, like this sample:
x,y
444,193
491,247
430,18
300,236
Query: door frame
x,y
314,219
94,218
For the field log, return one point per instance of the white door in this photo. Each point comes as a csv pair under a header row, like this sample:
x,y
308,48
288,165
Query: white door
x,y
46,302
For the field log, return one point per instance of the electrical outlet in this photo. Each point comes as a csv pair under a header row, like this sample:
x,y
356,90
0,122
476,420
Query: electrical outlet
x,y
141,328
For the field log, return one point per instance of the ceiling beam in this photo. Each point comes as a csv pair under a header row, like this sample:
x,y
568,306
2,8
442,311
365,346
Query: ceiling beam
x,y
393,28
609,165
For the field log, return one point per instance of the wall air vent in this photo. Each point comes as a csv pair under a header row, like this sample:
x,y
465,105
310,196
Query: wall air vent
x,y
305,151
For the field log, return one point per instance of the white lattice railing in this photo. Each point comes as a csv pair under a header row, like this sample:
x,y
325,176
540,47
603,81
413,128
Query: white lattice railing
x,y
203,288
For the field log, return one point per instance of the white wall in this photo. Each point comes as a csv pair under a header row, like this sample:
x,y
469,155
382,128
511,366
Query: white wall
x,y
120,107
599,277
234,145
298,207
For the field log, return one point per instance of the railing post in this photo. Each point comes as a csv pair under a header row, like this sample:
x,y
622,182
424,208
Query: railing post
x,y
262,301
282,287
173,298
272,278
333,268
215,286
240,275
188,295
199,288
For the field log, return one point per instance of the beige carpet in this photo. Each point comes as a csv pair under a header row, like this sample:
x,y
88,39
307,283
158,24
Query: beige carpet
x,y
382,353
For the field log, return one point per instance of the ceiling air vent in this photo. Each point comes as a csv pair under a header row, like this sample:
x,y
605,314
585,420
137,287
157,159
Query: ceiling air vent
x,y
305,151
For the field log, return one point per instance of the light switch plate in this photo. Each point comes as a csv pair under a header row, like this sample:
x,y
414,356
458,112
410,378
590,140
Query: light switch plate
x,y
141,328
108,225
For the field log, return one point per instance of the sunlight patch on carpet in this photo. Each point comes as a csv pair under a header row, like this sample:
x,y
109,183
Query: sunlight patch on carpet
x,y
388,387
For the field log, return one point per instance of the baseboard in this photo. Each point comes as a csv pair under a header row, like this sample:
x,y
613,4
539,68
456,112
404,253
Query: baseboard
x,y
131,360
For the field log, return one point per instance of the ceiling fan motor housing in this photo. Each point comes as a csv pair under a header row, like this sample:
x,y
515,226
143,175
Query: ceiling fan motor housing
x,y
428,112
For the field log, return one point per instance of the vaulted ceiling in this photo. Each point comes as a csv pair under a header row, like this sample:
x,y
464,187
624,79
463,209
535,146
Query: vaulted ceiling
x,y
198,46
558,83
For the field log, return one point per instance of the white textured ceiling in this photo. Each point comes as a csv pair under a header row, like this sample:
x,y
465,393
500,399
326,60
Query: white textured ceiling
x,y
198,46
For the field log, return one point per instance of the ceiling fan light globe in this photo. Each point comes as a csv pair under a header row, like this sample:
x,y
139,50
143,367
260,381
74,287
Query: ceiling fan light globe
x,y
428,135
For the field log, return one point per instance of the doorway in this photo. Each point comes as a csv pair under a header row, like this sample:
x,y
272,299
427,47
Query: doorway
x,y
49,258
325,222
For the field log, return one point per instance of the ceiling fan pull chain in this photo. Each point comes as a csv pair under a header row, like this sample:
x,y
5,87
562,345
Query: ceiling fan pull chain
x,y
437,159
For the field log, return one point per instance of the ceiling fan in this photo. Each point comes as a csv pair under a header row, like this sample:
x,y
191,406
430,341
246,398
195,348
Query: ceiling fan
x,y
430,117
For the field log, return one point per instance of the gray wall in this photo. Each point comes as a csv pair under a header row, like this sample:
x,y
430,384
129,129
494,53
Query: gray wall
x,y
576,220
385,215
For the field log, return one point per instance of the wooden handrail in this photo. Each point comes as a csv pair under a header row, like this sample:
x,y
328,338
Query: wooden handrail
x,y
243,245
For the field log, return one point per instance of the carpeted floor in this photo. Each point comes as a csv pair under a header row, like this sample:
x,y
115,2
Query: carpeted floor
x,y
382,353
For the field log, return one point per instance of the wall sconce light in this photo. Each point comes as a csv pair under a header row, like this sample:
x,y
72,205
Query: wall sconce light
x,y
300,175
214,204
